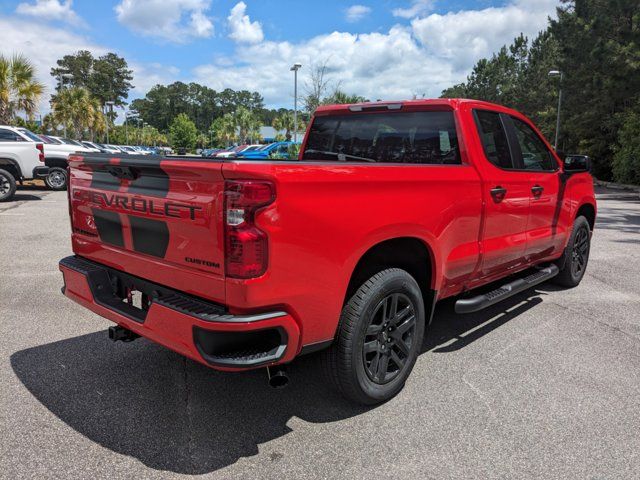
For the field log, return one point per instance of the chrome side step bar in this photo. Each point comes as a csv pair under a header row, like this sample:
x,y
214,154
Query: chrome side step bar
x,y
480,302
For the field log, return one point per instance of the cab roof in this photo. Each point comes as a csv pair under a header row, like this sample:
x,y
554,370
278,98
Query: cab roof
x,y
452,103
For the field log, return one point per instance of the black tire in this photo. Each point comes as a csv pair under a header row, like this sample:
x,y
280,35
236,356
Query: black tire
x,y
367,320
56,179
7,186
576,255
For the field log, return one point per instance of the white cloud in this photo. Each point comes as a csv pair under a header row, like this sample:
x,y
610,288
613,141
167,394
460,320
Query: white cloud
x,y
43,45
427,56
356,12
177,21
50,10
376,65
241,28
464,37
418,7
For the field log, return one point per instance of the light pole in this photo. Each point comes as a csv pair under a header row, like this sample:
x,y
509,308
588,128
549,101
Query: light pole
x,y
61,78
109,104
294,69
557,73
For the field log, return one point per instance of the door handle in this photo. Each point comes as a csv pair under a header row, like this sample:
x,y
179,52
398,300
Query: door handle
x,y
537,190
498,193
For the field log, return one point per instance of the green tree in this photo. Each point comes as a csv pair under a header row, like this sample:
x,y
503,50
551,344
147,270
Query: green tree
x,y
183,132
20,91
284,122
338,97
107,78
248,125
599,47
28,124
202,104
626,158
224,130
79,112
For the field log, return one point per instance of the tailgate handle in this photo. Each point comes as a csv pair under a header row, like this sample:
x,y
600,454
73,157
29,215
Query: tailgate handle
x,y
125,173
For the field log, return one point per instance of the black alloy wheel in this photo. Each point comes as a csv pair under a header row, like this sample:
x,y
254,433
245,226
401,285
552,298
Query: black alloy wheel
x,y
389,338
580,252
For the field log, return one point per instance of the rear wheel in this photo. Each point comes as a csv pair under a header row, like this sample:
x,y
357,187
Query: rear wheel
x,y
7,186
56,179
576,254
378,339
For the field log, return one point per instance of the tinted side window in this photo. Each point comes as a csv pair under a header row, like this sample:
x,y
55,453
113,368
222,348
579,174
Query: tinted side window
x,y
8,136
398,137
494,139
535,155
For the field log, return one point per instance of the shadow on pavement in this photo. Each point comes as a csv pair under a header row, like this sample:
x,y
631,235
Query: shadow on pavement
x,y
450,331
173,414
21,197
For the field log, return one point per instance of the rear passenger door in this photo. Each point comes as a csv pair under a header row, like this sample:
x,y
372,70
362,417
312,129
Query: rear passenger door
x,y
506,193
546,230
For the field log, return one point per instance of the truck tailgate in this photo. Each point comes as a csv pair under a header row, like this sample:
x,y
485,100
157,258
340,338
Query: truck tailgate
x,y
153,217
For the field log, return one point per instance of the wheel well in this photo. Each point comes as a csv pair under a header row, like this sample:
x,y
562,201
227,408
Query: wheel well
x,y
588,211
407,253
11,167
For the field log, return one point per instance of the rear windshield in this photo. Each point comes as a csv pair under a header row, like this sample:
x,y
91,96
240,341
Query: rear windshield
x,y
395,137
28,133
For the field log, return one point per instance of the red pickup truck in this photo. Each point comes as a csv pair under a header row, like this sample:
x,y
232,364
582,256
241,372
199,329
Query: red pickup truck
x,y
389,208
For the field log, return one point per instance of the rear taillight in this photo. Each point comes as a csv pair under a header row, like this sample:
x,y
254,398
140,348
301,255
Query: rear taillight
x,y
40,147
246,246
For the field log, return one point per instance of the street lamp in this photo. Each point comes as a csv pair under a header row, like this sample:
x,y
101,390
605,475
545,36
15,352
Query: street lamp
x,y
557,73
294,69
61,79
109,104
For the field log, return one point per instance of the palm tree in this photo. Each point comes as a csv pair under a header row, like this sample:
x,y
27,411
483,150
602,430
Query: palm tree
x,y
78,111
19,89
247,123
340,97
225,130
284,122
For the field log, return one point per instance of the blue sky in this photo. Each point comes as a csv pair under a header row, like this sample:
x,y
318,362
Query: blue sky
x,y
376,48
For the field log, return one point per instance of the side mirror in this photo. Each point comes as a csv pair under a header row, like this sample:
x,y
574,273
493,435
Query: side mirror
x,y
577,164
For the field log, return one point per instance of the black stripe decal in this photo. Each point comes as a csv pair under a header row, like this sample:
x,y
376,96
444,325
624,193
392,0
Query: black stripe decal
x,y
109,227
103,180
149,236
150,181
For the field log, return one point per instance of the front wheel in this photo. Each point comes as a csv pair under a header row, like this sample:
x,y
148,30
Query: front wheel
x,y
379,336
576,255
7,186
56,179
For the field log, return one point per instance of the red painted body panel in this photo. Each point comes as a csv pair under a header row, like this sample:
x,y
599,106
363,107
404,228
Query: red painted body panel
x,y
326,216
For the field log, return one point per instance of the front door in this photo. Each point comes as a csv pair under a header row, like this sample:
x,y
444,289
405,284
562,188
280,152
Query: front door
x,y
506,194
547,226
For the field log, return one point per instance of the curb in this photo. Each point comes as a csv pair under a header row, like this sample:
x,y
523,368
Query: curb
x,y
616,186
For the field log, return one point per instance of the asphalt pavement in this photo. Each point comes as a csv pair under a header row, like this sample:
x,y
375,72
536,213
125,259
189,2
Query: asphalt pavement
x,y
545,385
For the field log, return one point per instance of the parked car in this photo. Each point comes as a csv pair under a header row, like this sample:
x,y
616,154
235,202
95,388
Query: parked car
x,y
21,158
391,208
96,146
56,153
209,152
276,148
236,151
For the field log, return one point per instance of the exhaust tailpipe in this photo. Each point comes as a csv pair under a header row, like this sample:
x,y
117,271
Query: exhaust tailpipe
x,y
278,377
118,333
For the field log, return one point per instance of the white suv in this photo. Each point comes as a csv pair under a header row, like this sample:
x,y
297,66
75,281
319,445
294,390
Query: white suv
x,y
21,158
